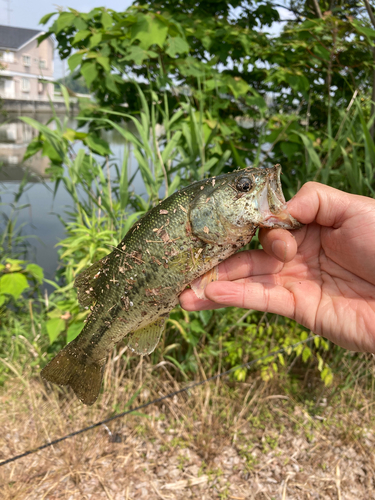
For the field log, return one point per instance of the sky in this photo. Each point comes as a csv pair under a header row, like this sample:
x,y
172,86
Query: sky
x,y
27,14
22,15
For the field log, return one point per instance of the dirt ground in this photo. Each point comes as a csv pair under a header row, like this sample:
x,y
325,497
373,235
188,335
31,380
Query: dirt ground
x,y
249,441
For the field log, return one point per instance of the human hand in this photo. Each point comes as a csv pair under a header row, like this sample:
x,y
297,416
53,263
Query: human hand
x,y
322,275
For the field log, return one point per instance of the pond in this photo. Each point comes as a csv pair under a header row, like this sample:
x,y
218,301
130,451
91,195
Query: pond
x,y
39,217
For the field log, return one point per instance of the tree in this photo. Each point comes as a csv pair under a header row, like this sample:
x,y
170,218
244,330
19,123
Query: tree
x,y
248,86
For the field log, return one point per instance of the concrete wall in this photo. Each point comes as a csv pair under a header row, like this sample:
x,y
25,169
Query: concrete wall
x,y
21,106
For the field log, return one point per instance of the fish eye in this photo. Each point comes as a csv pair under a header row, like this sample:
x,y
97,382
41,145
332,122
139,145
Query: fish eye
x,y
244,184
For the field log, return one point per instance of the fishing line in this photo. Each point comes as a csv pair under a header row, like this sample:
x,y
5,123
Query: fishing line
x,y
154,401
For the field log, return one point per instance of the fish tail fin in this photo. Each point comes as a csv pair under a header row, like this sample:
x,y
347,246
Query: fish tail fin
x,y
75,368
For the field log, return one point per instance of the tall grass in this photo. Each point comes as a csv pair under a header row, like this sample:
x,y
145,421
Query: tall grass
x,y
345,160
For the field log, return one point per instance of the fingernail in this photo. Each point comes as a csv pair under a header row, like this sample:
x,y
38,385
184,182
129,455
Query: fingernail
x,y
279,250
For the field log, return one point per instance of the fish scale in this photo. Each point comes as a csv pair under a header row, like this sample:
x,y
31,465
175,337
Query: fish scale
x,y
131,291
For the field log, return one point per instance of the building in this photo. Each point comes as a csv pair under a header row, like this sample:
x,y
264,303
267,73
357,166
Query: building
x,y
26,69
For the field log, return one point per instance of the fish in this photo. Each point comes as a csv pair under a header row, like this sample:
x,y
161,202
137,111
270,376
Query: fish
x,y
178,243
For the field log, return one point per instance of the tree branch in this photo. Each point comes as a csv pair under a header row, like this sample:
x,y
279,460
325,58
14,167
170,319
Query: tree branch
x,y
317,9
370,13
295,12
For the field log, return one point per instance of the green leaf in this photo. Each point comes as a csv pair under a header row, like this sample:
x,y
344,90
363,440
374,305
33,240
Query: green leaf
x,y
47,17
80,24
306,354
75,60
95,40
32,148
89,72
107,20
191,67
65,19
65,94
149,30
49,151
70,134
104,61
320,362
13,284
363,29
310,150
175,184
36,272
80,35
98,145
138,55
110,83
14,264
73,331
177,45
54,327
171,145
237,85
258,101
322,52
327,376
289,148
205,316
281,359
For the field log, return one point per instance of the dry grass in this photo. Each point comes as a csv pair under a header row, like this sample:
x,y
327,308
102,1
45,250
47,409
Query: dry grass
x,y
221,441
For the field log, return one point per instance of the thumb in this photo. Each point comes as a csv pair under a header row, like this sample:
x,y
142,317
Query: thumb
x,y
323,204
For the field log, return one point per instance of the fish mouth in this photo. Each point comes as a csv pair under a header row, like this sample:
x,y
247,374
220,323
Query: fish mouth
x,y
272,204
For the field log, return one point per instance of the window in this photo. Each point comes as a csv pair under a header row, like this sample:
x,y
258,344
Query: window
x,y
27,60
25,85
7,88
42,64
7,56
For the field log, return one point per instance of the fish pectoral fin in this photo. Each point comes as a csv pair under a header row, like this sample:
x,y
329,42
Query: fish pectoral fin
x,y
74,367
199,285
144,340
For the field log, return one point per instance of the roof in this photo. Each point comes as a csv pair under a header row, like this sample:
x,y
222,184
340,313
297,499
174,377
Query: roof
x,y
15,38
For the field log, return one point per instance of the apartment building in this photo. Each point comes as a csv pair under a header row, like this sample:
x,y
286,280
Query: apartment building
x,y
26,69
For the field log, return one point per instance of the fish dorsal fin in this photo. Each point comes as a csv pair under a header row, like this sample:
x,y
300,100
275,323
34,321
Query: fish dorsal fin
x,y
90,281
144,340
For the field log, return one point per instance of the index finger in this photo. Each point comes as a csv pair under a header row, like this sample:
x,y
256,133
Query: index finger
x,y
248,263
241,265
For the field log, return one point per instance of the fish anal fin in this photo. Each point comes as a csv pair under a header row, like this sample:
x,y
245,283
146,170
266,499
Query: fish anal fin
x,y
199,284
144,340
75,368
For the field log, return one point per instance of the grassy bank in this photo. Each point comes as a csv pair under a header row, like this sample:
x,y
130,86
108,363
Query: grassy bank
x,y
224,440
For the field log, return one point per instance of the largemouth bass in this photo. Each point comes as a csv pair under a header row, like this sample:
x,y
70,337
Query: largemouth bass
x,y
131,291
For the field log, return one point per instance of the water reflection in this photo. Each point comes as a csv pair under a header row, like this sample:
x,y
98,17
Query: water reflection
x,y
14,138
